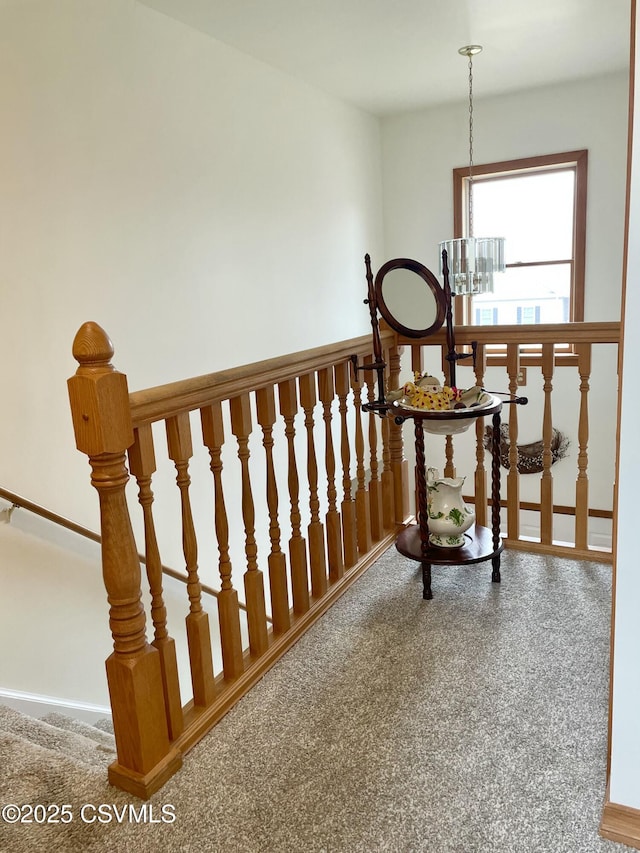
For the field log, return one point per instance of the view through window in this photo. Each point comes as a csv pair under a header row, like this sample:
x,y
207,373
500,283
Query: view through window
x,y
539,206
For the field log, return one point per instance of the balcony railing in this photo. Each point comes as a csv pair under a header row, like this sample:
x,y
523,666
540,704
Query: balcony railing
x,y
271,484
563,503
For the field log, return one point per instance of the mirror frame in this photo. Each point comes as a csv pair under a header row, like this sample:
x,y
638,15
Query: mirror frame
x,y
432,283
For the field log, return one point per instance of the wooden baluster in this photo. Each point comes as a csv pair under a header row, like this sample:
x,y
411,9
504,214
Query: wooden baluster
x,y
348,507
546,481
326,392
582,483
103,431
198,635
513,477
315,530
375,485
445,365
297,546
363,516
388,509
266,408
241,427
480,477
417,358
449,467
142,464
228,606
399,465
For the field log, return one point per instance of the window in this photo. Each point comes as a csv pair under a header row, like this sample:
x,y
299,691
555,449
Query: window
x,y
528,314
486,316
539,205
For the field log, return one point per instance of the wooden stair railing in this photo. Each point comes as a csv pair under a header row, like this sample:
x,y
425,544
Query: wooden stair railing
x,y
307,404
286,432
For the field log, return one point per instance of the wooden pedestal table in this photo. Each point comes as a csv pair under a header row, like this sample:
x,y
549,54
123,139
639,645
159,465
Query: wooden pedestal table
x,y
481,543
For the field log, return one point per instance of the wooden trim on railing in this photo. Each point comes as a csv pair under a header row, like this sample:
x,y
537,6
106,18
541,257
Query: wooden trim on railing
x,y
163,401
543,333
558,509
36,509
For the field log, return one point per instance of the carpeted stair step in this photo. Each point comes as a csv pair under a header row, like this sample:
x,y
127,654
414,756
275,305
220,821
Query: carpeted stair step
x,y
74,745
36,775
105,725
78,727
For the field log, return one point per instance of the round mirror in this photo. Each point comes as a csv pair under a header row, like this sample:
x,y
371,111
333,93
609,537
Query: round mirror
x,y
410,298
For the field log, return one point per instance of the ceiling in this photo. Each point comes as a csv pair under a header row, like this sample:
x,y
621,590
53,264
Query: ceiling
x,y
386,56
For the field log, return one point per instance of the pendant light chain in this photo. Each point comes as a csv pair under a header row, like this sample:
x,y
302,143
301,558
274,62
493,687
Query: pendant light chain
x,y
471,261
470,212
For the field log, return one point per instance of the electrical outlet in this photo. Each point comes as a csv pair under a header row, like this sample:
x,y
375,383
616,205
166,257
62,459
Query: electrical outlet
x,y
522,377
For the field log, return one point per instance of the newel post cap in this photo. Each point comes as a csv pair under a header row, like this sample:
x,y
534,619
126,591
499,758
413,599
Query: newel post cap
x,y
99,395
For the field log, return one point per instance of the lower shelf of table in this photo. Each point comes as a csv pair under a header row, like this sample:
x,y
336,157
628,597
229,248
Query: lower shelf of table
x,y
478,548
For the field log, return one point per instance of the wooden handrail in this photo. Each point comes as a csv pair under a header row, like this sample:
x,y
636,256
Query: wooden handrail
x,y
36,509
553,333
164,401
23,503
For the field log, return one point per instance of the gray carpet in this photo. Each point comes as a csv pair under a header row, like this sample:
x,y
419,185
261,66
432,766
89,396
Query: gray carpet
x,y
474,723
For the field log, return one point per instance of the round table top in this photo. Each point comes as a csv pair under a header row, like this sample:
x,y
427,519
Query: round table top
x,y
479,546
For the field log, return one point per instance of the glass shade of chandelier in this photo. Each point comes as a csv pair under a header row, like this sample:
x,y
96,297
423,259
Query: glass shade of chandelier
x,y
471,261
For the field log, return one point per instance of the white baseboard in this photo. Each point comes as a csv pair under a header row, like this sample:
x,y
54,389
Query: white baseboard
x,y
37,706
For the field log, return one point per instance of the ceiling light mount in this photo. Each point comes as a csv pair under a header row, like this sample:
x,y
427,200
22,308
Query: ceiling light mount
x,y
470,49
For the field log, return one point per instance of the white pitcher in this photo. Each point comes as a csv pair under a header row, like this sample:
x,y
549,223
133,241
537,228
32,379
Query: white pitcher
x,y
448,514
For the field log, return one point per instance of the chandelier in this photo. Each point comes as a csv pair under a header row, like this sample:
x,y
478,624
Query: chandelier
x,y
471,261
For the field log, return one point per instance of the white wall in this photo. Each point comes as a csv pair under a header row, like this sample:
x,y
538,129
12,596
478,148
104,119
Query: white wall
x,y
625,735
51,580
421,149
205,209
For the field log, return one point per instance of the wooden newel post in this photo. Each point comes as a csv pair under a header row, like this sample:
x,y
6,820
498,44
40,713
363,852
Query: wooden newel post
x,y
100,410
